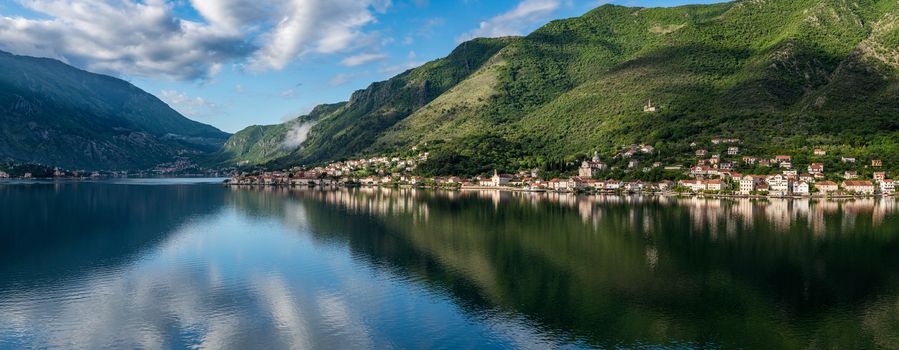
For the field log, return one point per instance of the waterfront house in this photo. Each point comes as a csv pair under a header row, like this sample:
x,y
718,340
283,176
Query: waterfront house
x,y
369,181
749,183
565,185
665,185
826,187
694,185
780,185
859,187
586,182
557,184
879,176
500,179
714,185
4,175
634,186
763,187
554,184
613,184
887,186
579,183
820,152
816,168
801,188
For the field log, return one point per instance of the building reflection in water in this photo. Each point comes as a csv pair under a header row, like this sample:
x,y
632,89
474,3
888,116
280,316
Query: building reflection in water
x,y
636,264
719,218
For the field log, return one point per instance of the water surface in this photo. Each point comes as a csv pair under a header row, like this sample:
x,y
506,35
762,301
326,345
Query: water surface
x,y
173,264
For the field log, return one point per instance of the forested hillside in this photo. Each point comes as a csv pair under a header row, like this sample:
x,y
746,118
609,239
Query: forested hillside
x,y
782,75
54,114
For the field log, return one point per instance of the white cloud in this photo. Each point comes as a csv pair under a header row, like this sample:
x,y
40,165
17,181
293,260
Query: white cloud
x,y
316,26
343,78
195,107
146,37
362,58
525,14
287,93
297,135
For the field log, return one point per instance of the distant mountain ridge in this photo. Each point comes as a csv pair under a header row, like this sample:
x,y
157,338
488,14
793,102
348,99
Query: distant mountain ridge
x,y
258,144
779,74
58,115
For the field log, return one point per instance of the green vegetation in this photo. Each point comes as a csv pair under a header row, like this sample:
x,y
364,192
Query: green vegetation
x,y
52,113
783,76
262,143
19,170
353,128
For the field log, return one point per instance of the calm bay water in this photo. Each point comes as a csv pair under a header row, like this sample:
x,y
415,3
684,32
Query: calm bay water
x,y
176,263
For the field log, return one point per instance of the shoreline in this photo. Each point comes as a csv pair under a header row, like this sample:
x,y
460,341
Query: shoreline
x,y
588,193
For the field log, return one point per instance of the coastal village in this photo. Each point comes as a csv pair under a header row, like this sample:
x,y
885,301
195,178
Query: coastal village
x,y
181,167
712,174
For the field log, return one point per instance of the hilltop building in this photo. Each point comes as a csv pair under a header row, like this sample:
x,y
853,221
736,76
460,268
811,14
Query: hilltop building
x,y
649,108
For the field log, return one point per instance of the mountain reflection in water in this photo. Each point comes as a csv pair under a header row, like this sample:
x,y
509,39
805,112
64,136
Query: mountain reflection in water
x,y
116,265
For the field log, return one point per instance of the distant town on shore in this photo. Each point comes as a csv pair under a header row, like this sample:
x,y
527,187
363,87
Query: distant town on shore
x,y
719,169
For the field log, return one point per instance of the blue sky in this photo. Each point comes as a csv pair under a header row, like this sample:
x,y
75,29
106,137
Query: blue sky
x,y
234,63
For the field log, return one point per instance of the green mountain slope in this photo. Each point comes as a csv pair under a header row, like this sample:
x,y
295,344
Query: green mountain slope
x,y
55,114
262,143
782,75
354,127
